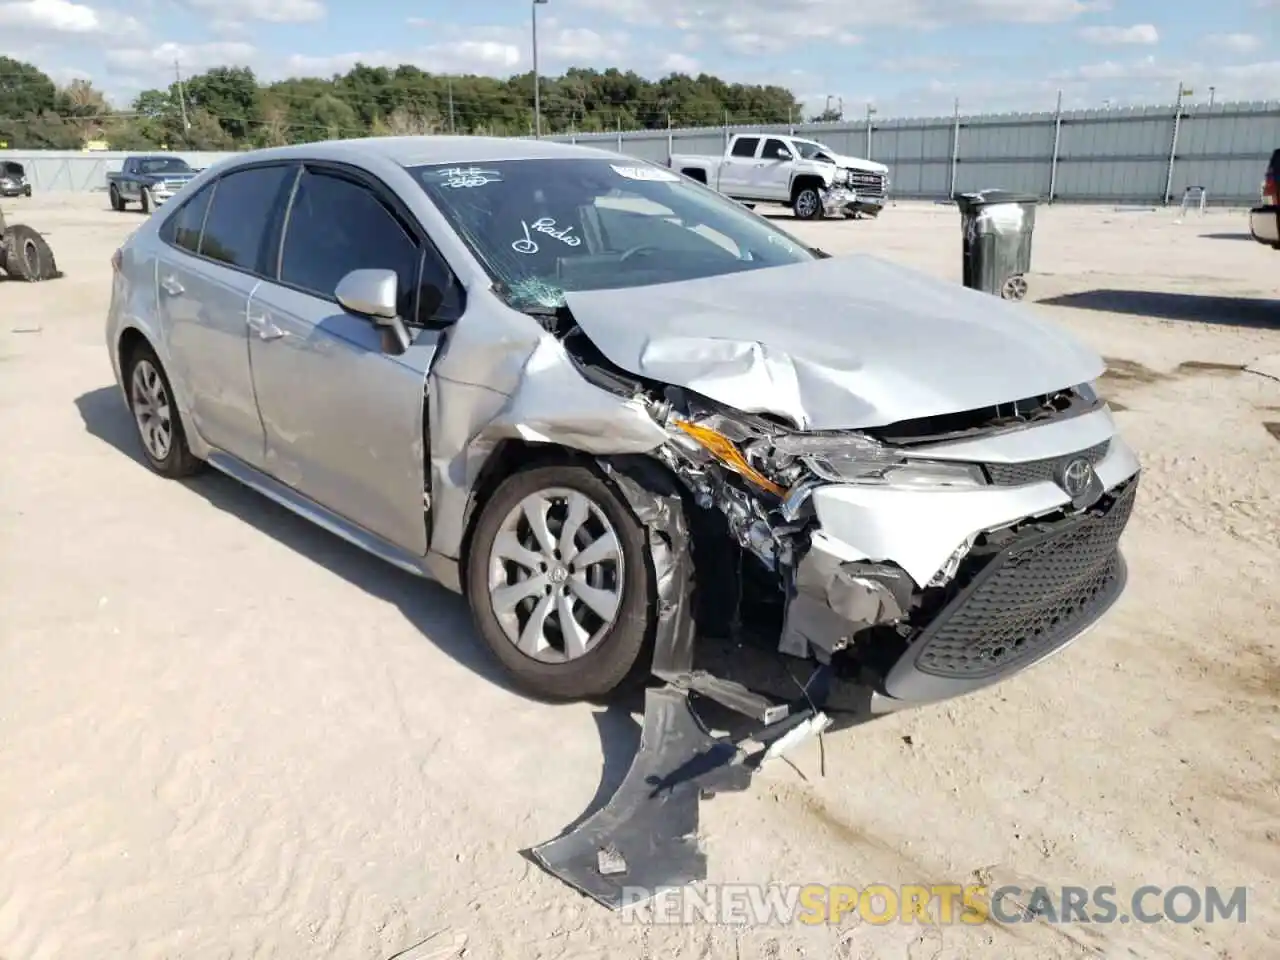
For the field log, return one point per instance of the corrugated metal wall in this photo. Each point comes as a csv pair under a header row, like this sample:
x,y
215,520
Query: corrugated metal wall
x,y
1103,156
62,170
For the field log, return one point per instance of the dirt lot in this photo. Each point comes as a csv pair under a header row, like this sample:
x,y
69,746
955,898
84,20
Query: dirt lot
x,y
226,734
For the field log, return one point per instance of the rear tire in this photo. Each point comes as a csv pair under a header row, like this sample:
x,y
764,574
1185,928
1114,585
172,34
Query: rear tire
x,y
117,201
542,660
156,417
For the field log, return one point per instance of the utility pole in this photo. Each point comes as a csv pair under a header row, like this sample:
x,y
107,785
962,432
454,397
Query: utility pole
x,y
452,126
1211,92
537,92
1173,146
871,112
182,96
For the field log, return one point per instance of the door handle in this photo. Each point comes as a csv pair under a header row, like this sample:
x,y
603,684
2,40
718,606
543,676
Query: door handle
x,y
172,287
263,326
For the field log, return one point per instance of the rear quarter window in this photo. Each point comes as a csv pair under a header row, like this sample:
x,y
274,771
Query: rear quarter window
x,y
182,228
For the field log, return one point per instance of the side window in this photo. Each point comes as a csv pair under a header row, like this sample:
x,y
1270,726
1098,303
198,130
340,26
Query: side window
x,y
238,227
771,148
337,225
744,147
182,229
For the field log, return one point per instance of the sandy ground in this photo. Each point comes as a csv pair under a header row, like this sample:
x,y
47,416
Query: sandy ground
x,y
226,734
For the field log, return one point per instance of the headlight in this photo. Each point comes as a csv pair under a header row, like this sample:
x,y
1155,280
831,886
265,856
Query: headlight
x,y
857,459
776,463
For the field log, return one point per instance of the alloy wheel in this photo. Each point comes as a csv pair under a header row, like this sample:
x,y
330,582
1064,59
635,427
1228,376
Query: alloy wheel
x,y
151,409
556,575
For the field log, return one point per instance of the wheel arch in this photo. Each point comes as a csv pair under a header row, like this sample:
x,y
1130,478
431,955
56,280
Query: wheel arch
x,y
803,180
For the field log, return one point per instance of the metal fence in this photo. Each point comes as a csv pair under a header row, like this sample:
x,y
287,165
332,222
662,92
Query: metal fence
x,y
1146,155
77,171
1133,155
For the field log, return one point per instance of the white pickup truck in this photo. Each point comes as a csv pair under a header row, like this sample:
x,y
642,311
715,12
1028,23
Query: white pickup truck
x,y
807,176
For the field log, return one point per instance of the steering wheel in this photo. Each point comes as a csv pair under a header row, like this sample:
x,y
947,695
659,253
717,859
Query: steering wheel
x,y
637,250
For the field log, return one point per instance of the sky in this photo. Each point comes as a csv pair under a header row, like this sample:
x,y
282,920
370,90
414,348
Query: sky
x,y
907,57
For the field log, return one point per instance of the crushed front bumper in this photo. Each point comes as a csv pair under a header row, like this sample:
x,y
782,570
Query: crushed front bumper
x,y
958,605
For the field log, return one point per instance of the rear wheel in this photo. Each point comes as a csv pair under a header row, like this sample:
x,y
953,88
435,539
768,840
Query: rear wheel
x,y
164,442
117,201
558,578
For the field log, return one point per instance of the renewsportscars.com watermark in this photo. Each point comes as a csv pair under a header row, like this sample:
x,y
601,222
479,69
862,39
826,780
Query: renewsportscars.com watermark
x,y
878,903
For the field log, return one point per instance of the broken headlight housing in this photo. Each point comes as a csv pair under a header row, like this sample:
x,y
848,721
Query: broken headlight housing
x,y
772,459
855,458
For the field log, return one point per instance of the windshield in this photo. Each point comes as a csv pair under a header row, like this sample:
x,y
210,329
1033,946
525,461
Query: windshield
x,y
163,165
546,227
808,149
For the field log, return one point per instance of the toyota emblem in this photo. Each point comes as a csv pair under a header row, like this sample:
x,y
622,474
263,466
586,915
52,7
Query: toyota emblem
x,y
1076,477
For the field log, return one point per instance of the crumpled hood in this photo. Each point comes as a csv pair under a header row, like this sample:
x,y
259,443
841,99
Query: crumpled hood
x,y
840,343
857,163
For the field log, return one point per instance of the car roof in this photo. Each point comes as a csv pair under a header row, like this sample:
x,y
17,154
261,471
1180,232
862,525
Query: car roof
x,y
413,151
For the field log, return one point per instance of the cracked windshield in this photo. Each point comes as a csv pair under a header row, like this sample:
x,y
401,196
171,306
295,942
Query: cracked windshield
x,y
545,227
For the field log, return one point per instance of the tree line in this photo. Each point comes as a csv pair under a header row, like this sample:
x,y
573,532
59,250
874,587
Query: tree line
x,y
227,108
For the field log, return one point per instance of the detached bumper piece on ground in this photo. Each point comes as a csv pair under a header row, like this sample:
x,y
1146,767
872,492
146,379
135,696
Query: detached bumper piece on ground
x,y
24,254
1052,579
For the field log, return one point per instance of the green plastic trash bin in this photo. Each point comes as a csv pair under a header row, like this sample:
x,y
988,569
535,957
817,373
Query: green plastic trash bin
x,y
997,227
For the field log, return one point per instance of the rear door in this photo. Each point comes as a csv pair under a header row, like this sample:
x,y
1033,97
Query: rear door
x,y
213,260
344,419
739,167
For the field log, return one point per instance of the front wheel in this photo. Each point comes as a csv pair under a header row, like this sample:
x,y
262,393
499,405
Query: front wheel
x,y
559,583
146,200
808,203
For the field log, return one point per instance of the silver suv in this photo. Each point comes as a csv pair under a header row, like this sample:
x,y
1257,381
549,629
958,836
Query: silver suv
x,y
623,414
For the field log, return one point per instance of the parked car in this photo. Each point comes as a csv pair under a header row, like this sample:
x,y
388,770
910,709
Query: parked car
x,y
812,179
148,180
1264,220
572,385
13,179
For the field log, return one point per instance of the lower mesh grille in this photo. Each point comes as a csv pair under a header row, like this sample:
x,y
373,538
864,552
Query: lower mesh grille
x,y
1030,597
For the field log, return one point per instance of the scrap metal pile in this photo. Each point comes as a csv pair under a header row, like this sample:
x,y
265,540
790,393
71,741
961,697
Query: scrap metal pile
x,y
24,253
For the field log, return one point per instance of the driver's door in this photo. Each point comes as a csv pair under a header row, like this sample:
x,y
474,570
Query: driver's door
x,y
773,174
344,420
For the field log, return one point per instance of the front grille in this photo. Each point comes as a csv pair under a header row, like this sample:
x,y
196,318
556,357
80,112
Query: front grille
x,y
1030,597
867,183
1037,471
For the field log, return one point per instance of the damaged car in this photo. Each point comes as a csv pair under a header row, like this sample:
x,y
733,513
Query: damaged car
x,y
629,418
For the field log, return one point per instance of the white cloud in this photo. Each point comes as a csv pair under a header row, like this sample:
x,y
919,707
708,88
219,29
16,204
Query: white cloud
x,y
1140,34
680,63
767,26
62,17
1236,42
155,64
270,11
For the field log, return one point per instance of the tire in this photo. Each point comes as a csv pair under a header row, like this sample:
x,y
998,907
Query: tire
x,y
25,255
175,460
117,201
807,203
146,199
613,653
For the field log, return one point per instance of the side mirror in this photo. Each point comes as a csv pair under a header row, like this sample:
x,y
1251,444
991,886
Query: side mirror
x,y
374,294
783,153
